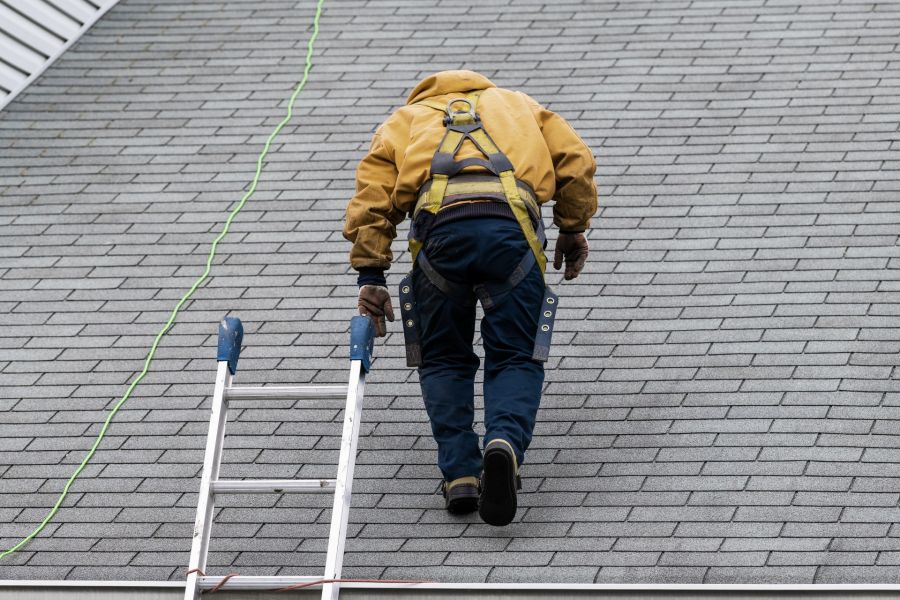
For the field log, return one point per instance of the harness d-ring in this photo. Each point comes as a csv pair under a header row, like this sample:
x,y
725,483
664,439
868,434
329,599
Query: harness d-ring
x,y
456,116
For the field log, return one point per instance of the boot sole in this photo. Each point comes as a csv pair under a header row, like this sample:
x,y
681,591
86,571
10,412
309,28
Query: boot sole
x,y
497,505
463,506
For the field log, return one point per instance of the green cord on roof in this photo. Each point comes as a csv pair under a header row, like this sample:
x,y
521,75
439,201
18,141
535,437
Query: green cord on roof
x,y
200,280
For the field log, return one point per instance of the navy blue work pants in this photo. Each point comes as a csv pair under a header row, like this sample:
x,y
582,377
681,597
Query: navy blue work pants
x,y
470,251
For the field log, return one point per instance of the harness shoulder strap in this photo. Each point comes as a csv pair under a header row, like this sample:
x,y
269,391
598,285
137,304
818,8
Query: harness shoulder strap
x,y
462,125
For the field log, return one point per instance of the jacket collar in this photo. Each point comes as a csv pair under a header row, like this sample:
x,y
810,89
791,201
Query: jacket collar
x,y
447,82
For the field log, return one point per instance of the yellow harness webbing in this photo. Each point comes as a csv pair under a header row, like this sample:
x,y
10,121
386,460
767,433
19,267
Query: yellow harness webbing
x,y
460,126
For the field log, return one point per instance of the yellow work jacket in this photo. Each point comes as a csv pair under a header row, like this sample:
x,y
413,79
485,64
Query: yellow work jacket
x,y
544,149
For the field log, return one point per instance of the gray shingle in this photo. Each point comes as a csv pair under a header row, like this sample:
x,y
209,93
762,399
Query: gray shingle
x,y
769,574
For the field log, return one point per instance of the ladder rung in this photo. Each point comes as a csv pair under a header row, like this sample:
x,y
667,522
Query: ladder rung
x,y
254,582
285,392
250,486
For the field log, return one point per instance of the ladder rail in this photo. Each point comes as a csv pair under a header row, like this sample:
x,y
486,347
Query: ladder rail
x,y
212,461
340,511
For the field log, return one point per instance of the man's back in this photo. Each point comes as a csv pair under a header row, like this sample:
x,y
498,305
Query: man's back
x,y
545,151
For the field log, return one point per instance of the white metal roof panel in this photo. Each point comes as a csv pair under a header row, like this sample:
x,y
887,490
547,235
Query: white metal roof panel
x,y
34,33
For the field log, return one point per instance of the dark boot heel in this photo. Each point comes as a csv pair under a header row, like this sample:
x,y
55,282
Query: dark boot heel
x,y
461,495
499,481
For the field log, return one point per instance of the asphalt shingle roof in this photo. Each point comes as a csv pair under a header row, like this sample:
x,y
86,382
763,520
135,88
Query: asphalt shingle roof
x,y
722,396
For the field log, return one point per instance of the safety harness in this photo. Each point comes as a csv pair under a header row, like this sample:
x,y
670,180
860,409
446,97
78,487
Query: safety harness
x,y
446,187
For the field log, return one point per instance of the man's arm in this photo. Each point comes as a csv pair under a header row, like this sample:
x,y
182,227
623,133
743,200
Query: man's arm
x,y
371,217
574,164
576,194
370,225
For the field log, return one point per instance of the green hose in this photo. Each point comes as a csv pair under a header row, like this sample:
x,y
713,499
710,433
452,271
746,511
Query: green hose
x,y
200,280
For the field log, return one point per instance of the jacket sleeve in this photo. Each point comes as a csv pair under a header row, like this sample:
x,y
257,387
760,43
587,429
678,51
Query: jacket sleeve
x,y
371,217
574,164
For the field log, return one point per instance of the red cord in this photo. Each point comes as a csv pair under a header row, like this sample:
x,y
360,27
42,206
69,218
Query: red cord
x,y
298,586
221,583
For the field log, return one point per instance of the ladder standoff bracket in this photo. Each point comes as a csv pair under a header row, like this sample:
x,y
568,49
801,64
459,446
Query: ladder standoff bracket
x,y
231,333
362,340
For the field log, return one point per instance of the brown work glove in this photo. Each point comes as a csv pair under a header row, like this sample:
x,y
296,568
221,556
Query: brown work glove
x,y
574,247
375,303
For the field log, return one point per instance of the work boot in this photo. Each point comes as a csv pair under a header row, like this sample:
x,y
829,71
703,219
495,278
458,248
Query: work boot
x,y
499,482
461,495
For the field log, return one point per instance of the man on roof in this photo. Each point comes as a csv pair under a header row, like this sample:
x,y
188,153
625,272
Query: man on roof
x,y
471,164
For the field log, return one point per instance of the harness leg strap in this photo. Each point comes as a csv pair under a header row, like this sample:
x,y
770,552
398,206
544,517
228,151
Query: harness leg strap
x,y
487,291
457,291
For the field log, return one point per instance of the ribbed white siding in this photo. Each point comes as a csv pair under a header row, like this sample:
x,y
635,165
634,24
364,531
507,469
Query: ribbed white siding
x,y
33,33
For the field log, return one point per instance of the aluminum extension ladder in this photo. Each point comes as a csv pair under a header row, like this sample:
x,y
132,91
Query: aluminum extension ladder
x,y
230,336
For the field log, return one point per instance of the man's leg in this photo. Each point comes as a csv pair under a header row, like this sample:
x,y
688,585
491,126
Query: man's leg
x,y
447,372
512,381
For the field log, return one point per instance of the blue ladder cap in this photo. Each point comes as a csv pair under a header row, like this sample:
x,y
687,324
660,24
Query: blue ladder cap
x,y
362,340
231,334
